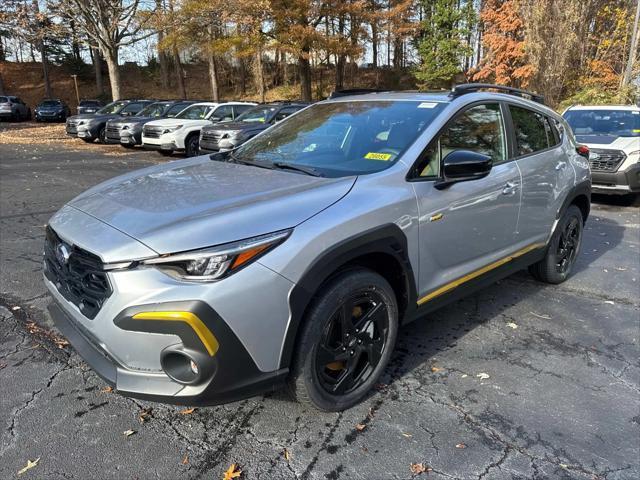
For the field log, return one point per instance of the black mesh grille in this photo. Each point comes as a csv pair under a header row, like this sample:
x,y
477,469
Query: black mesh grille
x,y
113,132
211,136
72,127
79,277
606,160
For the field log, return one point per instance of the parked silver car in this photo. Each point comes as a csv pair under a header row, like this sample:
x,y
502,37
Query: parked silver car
x,y
293,259
13,108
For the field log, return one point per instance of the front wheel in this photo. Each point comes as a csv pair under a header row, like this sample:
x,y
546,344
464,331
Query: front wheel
x,y
563,249
346,341
191,145
102,135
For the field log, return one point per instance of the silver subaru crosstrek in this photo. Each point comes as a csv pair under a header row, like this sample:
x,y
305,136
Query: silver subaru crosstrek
x,y
293,259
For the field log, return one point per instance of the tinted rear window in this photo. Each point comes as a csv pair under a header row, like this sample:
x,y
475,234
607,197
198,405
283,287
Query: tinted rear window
x,y
4,100
50,103
89,103
619,123
532,130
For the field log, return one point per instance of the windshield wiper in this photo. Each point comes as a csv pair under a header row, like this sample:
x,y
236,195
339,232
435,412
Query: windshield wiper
x,y
234,159
299,168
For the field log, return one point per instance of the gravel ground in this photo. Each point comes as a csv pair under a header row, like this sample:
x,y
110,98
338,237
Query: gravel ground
x,y
521,380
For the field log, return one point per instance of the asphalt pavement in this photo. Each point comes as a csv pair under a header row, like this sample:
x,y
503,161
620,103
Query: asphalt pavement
x,y
520,381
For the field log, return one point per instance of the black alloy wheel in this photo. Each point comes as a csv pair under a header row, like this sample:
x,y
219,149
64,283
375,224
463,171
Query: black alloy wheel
x,y
568,246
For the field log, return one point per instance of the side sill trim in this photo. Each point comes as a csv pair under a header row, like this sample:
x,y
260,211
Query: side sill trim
x,y
456,283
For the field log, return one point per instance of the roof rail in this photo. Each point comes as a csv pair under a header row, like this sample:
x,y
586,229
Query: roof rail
x,y
353,91
464,88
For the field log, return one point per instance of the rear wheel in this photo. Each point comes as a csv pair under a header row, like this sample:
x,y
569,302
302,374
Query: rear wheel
x,y
346,341
563,249
102,135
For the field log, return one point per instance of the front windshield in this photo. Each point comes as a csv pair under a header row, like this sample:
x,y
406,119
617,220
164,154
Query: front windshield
x,y
50,103
196,112
618,123
256,115
113,107
153,110
342,138
176,109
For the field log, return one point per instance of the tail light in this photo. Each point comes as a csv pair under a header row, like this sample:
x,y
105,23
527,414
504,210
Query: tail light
x,y
583,151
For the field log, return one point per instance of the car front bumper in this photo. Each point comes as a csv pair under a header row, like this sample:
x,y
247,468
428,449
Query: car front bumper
x,y
131,353
620,182
166,141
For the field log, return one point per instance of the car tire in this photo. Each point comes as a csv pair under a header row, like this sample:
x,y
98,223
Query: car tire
x,y
352,321
88,140
192,144
102,135
563,249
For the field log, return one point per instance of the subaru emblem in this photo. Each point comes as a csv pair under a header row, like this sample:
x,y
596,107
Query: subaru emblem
x,y
62,254
594,156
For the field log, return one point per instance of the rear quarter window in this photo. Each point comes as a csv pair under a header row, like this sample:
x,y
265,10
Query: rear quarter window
x,y
532,130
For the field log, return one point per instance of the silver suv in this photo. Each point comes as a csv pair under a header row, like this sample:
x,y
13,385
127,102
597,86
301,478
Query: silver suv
x,y
293,259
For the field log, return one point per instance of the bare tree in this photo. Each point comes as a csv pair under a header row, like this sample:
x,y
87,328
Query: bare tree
x,y
111,25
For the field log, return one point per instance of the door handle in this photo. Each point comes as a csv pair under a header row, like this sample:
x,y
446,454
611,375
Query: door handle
x,y
561,165
510,188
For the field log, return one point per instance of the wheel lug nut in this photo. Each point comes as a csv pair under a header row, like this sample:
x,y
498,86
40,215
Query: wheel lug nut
x,y
344,349
359,341
351,352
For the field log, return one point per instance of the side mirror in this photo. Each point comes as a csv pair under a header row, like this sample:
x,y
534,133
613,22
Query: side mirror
x,y
126,114
215,119
462,166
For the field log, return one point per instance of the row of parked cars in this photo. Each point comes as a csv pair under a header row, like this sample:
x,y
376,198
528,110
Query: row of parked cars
x,y
186,126
14,109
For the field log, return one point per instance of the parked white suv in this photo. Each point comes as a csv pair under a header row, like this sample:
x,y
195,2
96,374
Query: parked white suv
x,y
182,132
612,133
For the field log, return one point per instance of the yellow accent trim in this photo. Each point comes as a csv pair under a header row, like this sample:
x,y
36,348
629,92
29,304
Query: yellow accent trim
x,y
204,334
456,283
436,217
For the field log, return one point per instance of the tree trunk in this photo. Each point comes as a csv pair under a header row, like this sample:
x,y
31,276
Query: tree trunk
x,y
75,45
163,59
213,77
97,65
633,51
179,74
259,75
305,75
1,85
111,58
340,57
45,70
285,69
374,42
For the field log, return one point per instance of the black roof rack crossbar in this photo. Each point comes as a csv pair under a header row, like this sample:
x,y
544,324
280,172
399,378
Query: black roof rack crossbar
x,y
354,91
474,87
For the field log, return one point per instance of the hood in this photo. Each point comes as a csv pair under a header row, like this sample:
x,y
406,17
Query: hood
x,y
197,203
94,117
171,122
610,142
237,126
129,120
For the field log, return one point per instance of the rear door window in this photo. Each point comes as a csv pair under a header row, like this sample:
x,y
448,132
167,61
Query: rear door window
x,y
240,109
531,129
285,112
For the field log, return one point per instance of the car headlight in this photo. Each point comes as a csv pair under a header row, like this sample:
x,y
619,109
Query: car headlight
x,y
171,129
215,263
635,154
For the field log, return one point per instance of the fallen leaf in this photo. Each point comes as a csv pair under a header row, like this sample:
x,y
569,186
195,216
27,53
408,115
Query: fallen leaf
x,y
381,387
418,468
14,309
464,375
482,376
546,317
286,454
610,302
30,465
145,414
408,435
188,411
232,472
107,390
621,269
128,433
185,459
435,369
360,427
461,445
512,325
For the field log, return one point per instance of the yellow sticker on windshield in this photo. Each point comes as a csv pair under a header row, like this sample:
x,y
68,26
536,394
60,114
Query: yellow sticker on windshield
x,y
378,156
636,130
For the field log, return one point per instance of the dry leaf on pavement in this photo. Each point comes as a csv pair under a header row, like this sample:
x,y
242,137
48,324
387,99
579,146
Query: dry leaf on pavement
x,y
435,369
232,472
107,390
482,376
145,414
407,435
187,411
128,433
512,325
418,468
286,454
30,464
185,459
461,445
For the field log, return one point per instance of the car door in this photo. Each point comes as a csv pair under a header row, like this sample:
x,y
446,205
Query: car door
x,y
546,173
467,225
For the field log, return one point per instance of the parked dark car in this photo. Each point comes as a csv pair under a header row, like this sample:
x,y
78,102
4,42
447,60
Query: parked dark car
x,y
89,106
90,126
228,135
52,109
13,108
128,131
